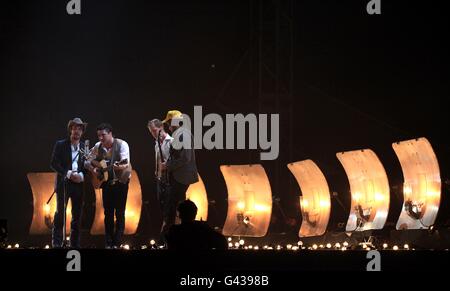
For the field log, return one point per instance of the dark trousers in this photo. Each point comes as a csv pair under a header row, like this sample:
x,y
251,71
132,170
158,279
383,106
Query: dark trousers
x,y
114,202
74,191
169,197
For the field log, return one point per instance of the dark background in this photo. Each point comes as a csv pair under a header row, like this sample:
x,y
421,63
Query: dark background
x,y
360,81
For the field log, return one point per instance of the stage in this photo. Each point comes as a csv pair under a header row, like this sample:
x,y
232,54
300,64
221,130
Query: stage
x,y
220,263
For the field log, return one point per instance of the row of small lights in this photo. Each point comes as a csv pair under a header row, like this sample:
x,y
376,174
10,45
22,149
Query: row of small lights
x,y
241,245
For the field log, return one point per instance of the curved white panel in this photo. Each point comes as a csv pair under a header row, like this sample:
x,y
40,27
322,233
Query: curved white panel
x,y
422,183
42,186
369,187
315,200
249,200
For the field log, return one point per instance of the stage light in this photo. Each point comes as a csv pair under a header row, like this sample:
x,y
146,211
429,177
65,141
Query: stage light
x,y
266,247
321,246
236,245
16,246
385,246
152,242
126,247
345,244
9,247
300,243
369,188
328,246
250,247
256,248
422,183
395,248
337,245
230,239
344,248
230,245
278,247
46,247
295,248
289,246
314,246
249,200
144,247
241,242
406,246
315,205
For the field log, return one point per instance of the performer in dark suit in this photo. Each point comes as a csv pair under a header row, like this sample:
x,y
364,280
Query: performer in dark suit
x,y
181,165
68,164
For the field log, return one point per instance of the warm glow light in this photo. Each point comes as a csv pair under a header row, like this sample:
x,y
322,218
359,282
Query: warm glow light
x,y
422,183
126,247
406,246
385,246
304,203
47,247
395,248
16,246
315,205
262,208
249,200
152,242
314,246
379,197
369,187
46,209
328,246
324,204
241,242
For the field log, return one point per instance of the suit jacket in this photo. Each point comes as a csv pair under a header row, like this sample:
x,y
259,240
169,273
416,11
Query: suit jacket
x,y
181,163
61,162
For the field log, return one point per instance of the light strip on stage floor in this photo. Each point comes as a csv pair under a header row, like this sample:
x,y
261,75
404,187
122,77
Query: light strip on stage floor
x,y
249,200
369,188
315,200
132,212
42,186
197,194
422,183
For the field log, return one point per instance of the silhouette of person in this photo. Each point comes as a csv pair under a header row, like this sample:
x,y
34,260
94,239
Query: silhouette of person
x,y
191,234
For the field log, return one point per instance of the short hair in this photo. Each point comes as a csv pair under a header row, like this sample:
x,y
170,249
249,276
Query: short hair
x,y
105,126
187,210
155,123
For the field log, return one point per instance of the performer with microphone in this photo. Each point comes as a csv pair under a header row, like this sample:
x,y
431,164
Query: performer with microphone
x,y
162,151
67,162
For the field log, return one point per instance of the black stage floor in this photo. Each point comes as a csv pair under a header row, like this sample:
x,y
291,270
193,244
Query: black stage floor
x,y
238,262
